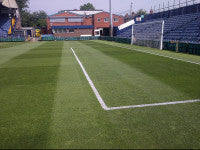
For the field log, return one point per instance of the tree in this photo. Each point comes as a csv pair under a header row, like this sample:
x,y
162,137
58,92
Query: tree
x,y
35,19
28,19
38,19
25,18
24,13
22,4
141,12
87,6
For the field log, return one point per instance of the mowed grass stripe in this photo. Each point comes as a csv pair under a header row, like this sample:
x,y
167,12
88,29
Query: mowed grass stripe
x,y
78,121
180,76
122,85
183,56
8,53
27,95
76,118
10,44
75,112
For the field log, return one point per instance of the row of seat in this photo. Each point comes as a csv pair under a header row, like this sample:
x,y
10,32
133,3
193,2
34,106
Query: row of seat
x,y
174,12
185,28
4,24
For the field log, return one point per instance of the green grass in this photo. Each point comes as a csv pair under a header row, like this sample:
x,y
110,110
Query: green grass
x,y
26,95
142,75
46,101
10,44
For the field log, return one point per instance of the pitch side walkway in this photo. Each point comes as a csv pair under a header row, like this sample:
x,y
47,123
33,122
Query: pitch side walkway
x,y
8,53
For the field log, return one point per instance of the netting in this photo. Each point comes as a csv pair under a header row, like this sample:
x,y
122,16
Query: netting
x,y
148,34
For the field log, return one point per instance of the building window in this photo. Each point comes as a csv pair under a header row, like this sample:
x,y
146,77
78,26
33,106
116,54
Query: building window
x,y
98,19
59,31
54,30
57,19
71,30
106,19
64,30
75,19
116,19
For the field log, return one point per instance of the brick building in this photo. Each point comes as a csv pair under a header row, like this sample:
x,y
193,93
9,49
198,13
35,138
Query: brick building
x,y
76,23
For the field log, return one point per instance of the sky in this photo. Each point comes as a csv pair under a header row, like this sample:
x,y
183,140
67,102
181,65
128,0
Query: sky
x,y
118,6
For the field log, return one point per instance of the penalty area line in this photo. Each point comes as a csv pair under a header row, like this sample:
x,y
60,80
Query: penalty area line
x,y
103,105
155,104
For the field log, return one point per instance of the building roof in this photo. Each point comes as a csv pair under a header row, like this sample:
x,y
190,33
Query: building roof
x,y
79,12
9,3
87,13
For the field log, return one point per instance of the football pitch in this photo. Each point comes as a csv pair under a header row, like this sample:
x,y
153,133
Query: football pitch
x,y
97,94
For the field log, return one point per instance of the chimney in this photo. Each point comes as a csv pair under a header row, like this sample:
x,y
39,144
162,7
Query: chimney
x,y
151,11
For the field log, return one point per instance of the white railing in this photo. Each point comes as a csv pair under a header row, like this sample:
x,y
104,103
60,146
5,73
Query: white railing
x,y
176,4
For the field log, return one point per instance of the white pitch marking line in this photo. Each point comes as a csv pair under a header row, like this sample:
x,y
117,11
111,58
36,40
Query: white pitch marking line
x,y
152,53
103,105
155,104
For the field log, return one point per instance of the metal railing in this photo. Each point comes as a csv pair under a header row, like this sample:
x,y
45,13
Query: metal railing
x,y
181,3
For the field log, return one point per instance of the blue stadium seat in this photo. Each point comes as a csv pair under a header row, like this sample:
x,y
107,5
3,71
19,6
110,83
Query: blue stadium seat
x,y
4,25
181,24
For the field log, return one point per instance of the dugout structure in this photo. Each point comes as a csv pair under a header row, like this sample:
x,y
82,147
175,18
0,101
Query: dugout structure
x,y
148,34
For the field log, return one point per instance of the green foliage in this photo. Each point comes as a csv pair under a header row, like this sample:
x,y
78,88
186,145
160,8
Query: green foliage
x,y
141,12
35,19
25,16
22,4
28,19
88,6
38,19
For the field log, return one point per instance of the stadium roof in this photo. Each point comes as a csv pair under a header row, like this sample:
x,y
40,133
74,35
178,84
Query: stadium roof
x,y
83,12
86,12
9,3
79,13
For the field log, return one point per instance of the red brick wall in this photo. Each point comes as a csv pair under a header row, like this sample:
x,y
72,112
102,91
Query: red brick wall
x,y
77,33
91,20
48,26
103,24
86,21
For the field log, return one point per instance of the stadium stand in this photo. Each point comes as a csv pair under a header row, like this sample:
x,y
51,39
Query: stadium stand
x,y
125,29
4,25
9,21
182,24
